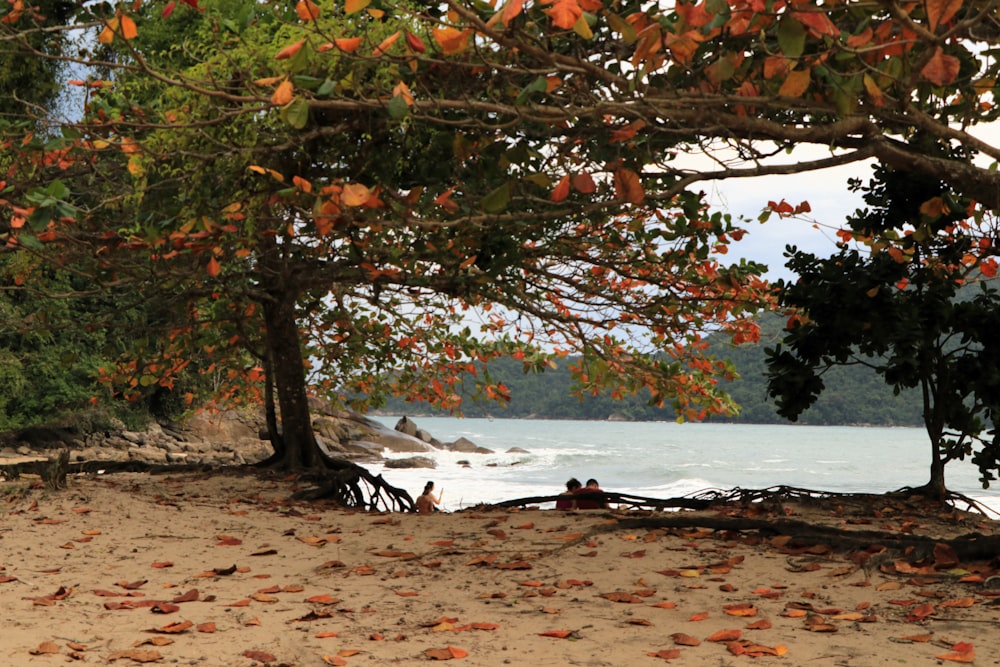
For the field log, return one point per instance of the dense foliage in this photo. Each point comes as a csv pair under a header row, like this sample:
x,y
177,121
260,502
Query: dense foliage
x,y
326,197
890,300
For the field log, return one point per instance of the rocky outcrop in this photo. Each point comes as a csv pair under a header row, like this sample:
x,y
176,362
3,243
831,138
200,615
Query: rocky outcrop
x,y
230,437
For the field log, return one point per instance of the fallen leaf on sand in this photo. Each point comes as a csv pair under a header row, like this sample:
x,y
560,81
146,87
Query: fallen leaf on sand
x,y
259,656
45,648
447,653
557,634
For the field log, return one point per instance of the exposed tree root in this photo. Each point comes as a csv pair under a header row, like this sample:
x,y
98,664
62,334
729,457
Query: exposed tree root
x,y
345,483
354,486
769,498
761,511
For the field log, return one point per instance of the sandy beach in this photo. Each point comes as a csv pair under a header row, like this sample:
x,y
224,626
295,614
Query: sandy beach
x,y
224,570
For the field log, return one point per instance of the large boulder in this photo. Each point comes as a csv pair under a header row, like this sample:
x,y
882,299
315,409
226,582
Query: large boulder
x,y
466,446
407,426
411,462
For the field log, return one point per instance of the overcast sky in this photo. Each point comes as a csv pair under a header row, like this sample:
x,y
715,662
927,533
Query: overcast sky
x,y
827,194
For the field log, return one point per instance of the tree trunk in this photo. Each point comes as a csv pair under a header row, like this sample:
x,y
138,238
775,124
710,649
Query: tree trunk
x,y
935,487
284,351
934,425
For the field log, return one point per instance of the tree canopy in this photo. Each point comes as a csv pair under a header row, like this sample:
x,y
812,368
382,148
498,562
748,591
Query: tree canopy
x,y
890,300
321,192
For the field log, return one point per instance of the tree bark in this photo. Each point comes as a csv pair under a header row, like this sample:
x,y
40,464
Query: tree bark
x,y
298,441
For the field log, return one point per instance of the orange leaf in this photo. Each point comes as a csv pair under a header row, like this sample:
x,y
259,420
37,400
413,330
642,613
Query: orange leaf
x,y
665,605
447,653
108,33
290,50
335,660
386,43
920,612
628,186
283,94
666,654
45,648
352,6
762,624
701,616
558,634
324,598
415,43
483,626
259,656
307,10
795,84
683,639
511,10
584,184
174,628
958,602
818,23
725,636
775,66
345,44
941,11
958,657
213,267
355,194
451,40
878,99
565,13
941,69
129,30
561,191
744,609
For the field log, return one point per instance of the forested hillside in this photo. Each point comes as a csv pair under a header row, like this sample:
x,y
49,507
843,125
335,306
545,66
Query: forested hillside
x,y
854,395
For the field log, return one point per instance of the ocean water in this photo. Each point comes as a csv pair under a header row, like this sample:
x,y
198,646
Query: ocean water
x,y
666,459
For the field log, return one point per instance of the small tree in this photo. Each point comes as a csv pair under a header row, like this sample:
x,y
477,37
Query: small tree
x,y
909,301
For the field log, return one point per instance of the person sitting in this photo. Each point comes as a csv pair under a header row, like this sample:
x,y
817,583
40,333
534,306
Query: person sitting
x,y
427,502
568,503
590,503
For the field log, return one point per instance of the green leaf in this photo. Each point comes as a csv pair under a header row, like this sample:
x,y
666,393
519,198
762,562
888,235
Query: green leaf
x,y
497,200
619,25
541,180
539,85
300,61
791,37
296,113
307,82
398,108
326,88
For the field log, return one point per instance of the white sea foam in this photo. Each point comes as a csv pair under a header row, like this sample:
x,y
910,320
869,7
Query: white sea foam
x,y
665,459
